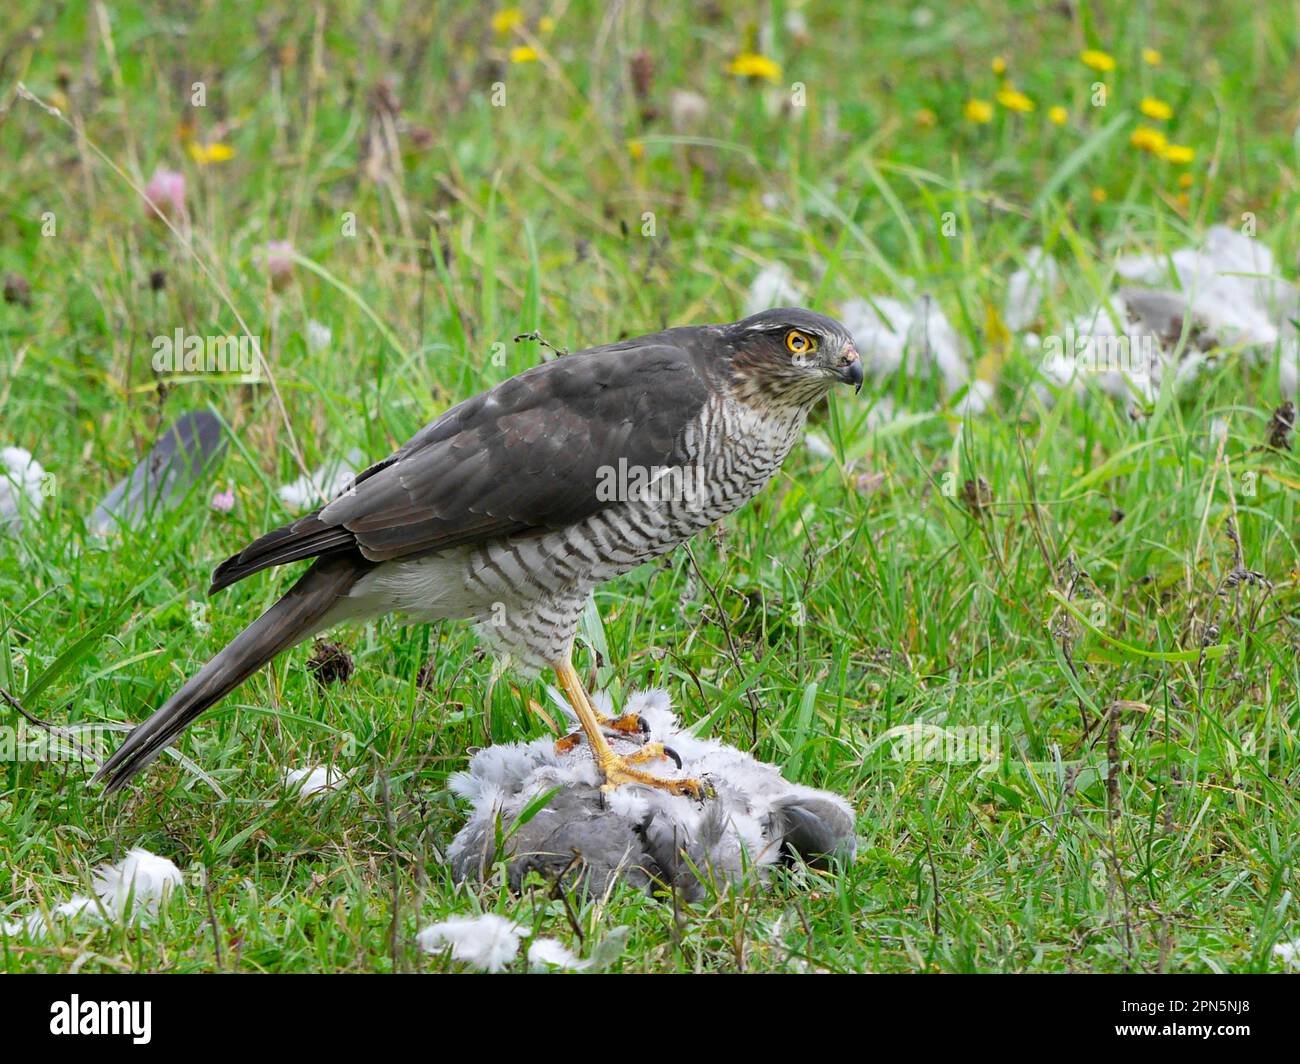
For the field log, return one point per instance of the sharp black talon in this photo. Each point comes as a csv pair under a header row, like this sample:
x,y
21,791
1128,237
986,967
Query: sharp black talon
x,y
674,755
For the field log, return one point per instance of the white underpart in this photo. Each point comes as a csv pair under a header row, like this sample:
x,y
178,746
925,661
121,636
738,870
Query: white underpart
x,y
488,942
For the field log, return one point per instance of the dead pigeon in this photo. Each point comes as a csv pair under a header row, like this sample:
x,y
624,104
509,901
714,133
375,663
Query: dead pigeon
x,y
1230,285
647,837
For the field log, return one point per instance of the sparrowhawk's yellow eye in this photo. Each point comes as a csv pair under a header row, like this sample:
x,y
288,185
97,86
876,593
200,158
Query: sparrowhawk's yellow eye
x,y
799,343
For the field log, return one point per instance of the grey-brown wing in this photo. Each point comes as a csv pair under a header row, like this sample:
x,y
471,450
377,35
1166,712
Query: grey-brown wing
x,y
526,455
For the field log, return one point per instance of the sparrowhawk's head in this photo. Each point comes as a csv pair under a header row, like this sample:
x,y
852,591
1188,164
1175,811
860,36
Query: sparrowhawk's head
x,y
792,355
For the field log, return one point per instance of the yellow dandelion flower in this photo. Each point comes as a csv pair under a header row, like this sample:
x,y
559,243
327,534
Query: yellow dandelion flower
x,y
1152,57
546,24
636,149
1058,115
750,65
1183,200
1099,195
507,19
1015,100
925,118
1145,138
523,54
216,152
1184,180
1153,108
1097,59
1179,154
978,111
999,65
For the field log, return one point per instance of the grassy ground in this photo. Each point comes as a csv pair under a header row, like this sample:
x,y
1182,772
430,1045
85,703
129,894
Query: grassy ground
x,y
1142,812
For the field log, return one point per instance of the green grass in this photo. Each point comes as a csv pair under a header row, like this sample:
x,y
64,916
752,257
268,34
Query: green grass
x,y
1160,836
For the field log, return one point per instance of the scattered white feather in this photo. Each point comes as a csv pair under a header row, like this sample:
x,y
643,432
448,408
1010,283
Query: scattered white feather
x,y
21,477
1026,288
134,888
35,923
774,286
546,953
327,482
912,337
687,109
1289,366
977,398
818,446
141,882
880,329
313,780
319,336
488,942
1289,954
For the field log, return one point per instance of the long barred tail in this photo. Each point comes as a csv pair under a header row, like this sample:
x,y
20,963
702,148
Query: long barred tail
x,y
295,617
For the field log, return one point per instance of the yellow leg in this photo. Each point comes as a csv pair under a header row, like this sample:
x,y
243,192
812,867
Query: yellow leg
x,y
629,724
615,769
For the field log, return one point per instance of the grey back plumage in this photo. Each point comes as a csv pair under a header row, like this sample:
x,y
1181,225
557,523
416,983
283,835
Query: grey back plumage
x,y
521,457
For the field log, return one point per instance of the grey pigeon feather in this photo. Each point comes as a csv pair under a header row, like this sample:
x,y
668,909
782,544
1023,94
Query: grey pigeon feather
x,y
183,455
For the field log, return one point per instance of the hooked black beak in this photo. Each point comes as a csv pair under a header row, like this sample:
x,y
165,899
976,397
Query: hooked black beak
x,y
850,369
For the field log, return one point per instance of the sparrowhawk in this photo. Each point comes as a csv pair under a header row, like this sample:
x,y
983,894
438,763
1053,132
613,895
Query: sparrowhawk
x,y
513,505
